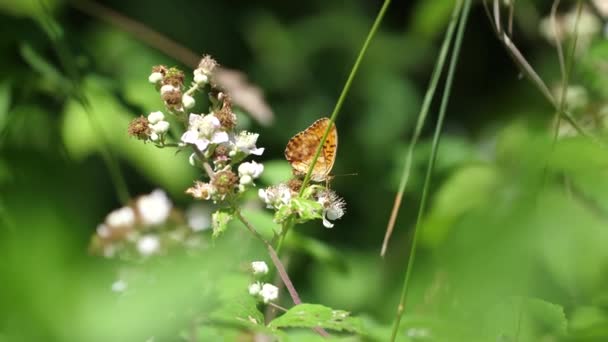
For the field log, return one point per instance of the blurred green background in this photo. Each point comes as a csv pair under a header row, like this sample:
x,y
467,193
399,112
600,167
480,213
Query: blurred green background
x,y
514,245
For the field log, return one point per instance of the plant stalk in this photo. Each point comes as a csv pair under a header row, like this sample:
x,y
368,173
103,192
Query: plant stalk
x,y
427,181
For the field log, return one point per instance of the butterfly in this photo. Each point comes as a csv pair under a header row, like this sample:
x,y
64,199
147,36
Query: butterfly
x,y
301,149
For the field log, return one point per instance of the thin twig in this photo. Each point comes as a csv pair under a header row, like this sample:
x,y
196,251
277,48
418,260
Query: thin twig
x,y
142,32
434,148
426,104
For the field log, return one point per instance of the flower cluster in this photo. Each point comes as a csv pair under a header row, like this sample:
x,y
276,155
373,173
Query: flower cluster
x,y
264,291
317,202
147,226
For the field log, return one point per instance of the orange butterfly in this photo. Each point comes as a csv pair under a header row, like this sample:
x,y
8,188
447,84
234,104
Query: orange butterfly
x,y
301,150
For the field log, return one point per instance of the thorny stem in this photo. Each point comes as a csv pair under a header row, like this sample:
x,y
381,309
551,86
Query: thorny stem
x,y
436,137
336,111
428,97
278,264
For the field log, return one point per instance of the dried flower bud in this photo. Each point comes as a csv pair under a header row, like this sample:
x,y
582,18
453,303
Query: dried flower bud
x,y
140,128
226,116
174,77
173,98
207,65
225,181
294,184
201,190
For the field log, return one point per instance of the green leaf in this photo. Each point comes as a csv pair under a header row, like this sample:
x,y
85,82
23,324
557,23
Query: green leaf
x,y
315,315
5,103
219,222
526,319
466,190
302,209
275,171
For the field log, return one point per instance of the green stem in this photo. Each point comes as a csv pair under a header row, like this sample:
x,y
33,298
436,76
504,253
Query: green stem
x,y
336,111
436,138
49,25
567,71
426,104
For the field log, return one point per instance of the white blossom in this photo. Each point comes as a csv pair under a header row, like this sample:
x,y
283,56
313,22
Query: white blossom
x,y
255,288
200,78
249,171
245,142
188,101
123,217
160,127
103,231
198,217
155,77
333,207
148,245
259,267
119,286
154,208
154,136
204,130
155,117
269,292
167,88
275,196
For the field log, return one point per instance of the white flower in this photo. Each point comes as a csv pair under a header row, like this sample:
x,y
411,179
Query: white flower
x,y
200,78
148,245
275,196
160,127
188,101
119,286
154,136
154,208
259,267
103,231
249,171
204,130
333,207
198,217
167,88
245,142
269,292
155,77
155,117
255,288
123,217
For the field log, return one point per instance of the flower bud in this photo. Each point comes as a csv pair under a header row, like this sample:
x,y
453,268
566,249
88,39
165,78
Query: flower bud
x,y
188,101
155,77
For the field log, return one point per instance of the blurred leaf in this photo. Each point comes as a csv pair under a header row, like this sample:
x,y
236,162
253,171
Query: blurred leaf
x,y
81,137
431,17
5,103
466,189
27,8
525,319
219,222
314,315
589,324
594,67
51,78
276,171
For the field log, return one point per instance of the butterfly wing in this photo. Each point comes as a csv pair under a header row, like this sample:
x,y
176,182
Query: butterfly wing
x,y
301,149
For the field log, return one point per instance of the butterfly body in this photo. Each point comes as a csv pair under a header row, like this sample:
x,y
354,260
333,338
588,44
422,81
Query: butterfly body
x,y
300,150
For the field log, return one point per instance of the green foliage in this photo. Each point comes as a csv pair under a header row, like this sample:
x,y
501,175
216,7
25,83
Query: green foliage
x,y
219,222
314,315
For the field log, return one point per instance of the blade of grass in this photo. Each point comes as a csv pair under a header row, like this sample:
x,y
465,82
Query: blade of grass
x,y
431,165
336,111
50,26
426,104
